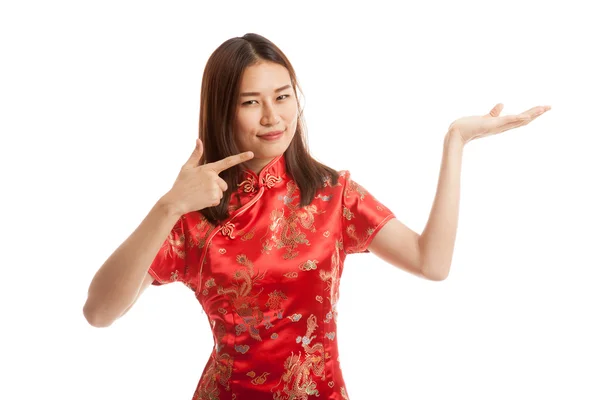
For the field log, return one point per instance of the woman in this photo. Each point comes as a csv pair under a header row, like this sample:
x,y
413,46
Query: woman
x,y
259,230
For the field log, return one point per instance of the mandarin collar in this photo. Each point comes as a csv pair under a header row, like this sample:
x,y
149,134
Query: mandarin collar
x,y
271,174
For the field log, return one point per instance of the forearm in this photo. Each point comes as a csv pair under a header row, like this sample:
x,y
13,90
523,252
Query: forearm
x,y
437,240
117,282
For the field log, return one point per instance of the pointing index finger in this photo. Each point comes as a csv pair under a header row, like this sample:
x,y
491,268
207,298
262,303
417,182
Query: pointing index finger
x,y
230,161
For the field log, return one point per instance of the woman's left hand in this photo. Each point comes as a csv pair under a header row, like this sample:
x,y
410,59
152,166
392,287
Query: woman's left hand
x,y
469,128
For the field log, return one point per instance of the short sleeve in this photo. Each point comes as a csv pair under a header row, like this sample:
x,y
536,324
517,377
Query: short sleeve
x,y
362,216
169,263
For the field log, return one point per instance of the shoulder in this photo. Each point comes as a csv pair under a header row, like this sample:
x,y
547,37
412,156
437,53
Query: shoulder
x,y
343,173
343,181
346,181
339,187
342,176
334,182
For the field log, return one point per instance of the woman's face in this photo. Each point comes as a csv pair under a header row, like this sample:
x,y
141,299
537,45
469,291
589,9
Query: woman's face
x,y
267,103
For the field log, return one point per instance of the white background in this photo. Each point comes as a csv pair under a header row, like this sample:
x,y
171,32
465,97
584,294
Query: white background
x,y
99,109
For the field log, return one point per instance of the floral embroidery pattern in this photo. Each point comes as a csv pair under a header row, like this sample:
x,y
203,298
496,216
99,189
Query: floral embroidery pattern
x,y
199,234
227,230
358,241
309,265
297,380
215,377
248,185
245,304
270,180
347,213
285,231
275,299
268,279
259,380
331,279
176,247
352,187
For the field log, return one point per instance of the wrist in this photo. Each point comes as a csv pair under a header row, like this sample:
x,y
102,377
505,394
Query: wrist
x,y
453,138
168,206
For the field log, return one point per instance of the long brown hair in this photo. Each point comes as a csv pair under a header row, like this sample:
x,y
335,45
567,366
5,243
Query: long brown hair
x,y
218,99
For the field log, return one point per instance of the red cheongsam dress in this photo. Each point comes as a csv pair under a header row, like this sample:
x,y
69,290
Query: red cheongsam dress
x,y
268,280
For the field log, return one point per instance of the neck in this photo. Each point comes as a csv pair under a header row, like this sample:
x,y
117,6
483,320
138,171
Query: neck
x,y
257,165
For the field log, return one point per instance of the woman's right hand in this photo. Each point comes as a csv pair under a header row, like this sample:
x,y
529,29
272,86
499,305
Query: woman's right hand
x,y
200,186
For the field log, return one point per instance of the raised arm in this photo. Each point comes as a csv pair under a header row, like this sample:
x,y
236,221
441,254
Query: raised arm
x,y
124,275
117,283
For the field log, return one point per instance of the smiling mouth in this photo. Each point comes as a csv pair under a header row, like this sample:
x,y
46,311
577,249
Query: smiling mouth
x,y
271,138
271,134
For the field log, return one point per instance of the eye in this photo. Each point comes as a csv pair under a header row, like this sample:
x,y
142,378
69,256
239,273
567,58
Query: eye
x,y
285,96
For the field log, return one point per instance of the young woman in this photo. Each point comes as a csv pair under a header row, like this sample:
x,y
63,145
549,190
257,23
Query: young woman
x,y
259,230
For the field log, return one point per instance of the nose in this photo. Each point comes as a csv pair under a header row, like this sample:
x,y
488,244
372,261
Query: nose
x,y
269,116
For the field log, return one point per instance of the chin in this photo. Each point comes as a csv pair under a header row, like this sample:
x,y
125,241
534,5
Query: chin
x,y
269,154
270,151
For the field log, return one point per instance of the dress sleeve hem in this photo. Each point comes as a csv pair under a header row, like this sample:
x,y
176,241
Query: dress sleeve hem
x,y
156,281
365,247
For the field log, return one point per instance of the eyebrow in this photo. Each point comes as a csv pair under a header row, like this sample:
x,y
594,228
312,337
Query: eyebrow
x,y
258,93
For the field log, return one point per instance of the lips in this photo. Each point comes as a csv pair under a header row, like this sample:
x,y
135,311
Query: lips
x,y
272,133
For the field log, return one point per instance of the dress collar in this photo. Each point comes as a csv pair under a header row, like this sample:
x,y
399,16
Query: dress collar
x,y
272,174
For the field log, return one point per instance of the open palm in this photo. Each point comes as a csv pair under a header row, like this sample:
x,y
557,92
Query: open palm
x,y
473,127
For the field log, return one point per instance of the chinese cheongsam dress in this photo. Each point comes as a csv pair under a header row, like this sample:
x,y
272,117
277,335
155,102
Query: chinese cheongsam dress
x,y
268,280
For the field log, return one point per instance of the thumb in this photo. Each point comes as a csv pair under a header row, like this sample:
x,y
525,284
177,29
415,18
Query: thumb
x,y
194,159
496,110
